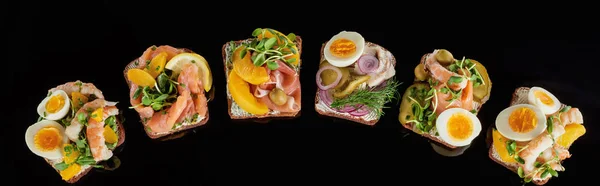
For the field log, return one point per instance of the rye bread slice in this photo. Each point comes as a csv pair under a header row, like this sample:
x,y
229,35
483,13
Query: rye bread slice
x,y
154,135
519,97
335,114
435,139
87,170
262,118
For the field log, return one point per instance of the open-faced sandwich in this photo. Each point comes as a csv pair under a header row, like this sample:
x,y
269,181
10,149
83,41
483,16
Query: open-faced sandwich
x,y
443,101
167,89
77,130
263,75
355,79
533,135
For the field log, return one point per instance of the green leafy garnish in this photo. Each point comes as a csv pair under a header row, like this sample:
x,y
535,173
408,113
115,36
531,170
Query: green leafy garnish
x,y
82,118
269,50
374,100
111,145
511,147
421,100
291,36
549,122
520,172
520,160
61,166
68,150
455,80
565,109
111,122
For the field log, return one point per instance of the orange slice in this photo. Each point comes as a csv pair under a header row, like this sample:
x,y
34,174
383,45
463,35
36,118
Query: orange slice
x,y
244,68
572,132
240,92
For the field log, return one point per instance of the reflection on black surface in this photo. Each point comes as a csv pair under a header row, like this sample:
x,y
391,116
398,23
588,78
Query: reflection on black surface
x,y
445,151
340,120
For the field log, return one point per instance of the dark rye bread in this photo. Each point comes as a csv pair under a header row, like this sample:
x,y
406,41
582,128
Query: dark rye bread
x,y
86,171
151,134
519,96
342,115
410,126
280,115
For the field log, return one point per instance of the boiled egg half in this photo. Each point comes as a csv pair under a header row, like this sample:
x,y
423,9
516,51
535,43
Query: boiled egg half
x,y
344,49
457,126
46,138
543,99
521,122
55,107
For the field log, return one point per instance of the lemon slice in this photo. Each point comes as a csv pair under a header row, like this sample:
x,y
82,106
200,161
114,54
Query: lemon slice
x,y
178,61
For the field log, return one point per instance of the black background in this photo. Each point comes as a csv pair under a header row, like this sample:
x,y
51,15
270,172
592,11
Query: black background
x,y
53,43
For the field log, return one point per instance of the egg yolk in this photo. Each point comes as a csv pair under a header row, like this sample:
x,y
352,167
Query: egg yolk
x,y
342,48
544,98
55,103
47,139
460,126
522,120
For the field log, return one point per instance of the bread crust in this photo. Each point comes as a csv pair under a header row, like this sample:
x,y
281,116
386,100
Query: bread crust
x,y
340,115
87,170
153,135
267,117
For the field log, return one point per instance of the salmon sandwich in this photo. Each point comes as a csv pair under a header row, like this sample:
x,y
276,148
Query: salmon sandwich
x,y
443,102
168,89
355,79
533,135
263,75
77,130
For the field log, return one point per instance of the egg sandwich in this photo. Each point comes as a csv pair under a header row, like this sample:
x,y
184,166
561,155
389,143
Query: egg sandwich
x,y
445,98
355,79
168,89
263,75
77,130
533,135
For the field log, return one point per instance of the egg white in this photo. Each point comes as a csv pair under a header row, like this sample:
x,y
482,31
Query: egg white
x,y
33,129
355,37
503,126
441,125
41,109
548,110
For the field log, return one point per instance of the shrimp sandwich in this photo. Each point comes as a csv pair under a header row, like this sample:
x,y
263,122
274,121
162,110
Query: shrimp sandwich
x,y
355,79
77,130
168,89
263,75
533,135
443,102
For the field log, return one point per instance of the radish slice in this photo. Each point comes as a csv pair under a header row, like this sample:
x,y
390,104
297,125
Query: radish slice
x,y
367,64
360,112
334,83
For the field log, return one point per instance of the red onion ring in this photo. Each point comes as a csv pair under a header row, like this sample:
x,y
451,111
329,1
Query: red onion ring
x,y
360,112
337,80
325,97
367,64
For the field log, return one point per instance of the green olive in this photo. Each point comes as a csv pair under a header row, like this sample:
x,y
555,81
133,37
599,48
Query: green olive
x,y
329,76
420,73
278,97
444,57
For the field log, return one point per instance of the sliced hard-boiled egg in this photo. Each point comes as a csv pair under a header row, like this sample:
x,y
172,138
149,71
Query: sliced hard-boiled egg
x,y
458,127
56,106
521,122
46,139
543,99
344,49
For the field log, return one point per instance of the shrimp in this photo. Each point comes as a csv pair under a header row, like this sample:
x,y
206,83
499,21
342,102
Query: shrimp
x,y
95,137
145,112
78,86
573,115
555,151
72,131
533,150
441,74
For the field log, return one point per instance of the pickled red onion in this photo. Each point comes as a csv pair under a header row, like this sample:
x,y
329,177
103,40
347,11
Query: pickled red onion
x,y
334,83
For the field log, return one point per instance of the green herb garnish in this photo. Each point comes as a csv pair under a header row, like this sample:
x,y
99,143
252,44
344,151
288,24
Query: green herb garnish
x,y
374,100
549,122
565,109
269,50
82,118
61,166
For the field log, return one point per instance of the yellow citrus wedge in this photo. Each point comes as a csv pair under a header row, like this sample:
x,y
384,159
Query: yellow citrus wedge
x,y
70,171
270,33
240,92
247,70
572,132
140,77
177,62
109,135
500,147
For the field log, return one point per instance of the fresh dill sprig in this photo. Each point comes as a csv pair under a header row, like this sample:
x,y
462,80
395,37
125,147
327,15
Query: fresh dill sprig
x,y
375,100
